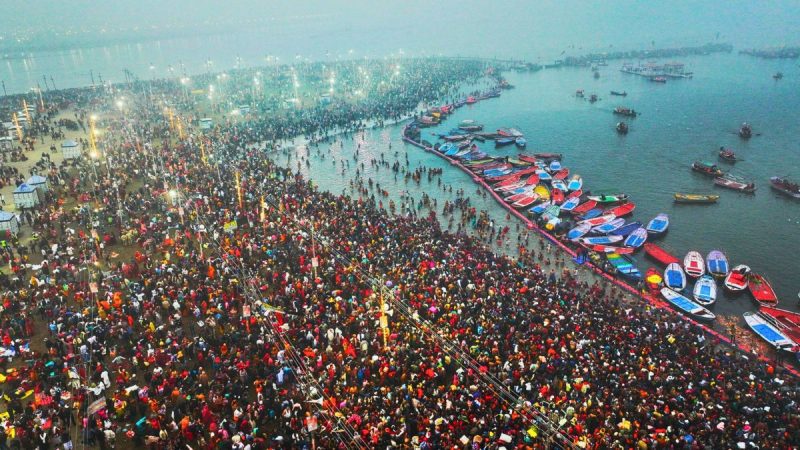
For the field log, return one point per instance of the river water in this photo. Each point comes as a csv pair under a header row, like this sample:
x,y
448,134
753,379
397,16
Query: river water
x,y
681,121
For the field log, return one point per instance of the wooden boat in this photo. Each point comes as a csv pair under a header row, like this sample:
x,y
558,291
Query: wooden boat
x,y
470,125
621,94
693,264
695,198
727,154
579,231
540,208
543,192
526,201
745,131
608,198
637,238
570,204
737,279
561,174
596,221
551,212
575,183
557,195
786,187
548,156
653,279
601,240
707,169
544,175
627,112
624,266
658,225
517,196
591,214
558,184
686,305
769,331
787,321
626,229
705,290
504,132
761,290
732,182
584,207
622,128
511,187
659,254
608,227
717,263
622,210
674,278
609,249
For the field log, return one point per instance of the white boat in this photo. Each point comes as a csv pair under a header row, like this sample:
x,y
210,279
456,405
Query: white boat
x,y
717,263
686,305
578,232
674,277
575,183
768,331
705,290
693,264
736,280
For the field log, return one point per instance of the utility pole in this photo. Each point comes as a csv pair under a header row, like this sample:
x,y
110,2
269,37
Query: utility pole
x,y
91,74
44,78
5,94
53,83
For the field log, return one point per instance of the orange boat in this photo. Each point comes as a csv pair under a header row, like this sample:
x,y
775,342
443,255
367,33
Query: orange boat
x,y
761,290
659,254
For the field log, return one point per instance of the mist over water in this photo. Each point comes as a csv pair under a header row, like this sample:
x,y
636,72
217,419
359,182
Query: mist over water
x,y
112,37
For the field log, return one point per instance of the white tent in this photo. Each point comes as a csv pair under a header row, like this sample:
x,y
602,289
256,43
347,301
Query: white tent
x,y
8,221
71,149
26,196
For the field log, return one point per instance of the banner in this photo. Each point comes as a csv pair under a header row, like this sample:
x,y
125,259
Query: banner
x,y
96,406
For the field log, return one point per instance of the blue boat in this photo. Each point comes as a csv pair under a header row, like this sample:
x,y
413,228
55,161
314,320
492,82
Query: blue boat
x,y
601,240
558,184
555,166
659,224
674,277
625,266
705,290
579,231
592,213
686,305
538,209
474,156
544,176
637,238
766,329
496,172
626,229
502,142
608,227
570,204
521,142
717,263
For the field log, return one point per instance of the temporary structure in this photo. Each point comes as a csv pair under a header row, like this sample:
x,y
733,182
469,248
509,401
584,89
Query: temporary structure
x,y
8,221
26,196
39,182
71,149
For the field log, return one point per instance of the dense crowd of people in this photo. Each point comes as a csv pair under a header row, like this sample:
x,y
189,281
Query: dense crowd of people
x,y
232,305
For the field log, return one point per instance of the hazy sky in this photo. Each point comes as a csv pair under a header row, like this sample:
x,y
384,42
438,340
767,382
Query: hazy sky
x,y
743,23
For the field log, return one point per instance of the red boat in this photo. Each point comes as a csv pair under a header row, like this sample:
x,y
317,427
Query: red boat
x,y
650,278
622,210
561,174
527,158
610,249
471,100
761,290
583,207
557,195
575,194
659,254
788,321
532,180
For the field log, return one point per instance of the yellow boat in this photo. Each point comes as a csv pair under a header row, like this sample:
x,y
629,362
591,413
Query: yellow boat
x,y
544,193
695,198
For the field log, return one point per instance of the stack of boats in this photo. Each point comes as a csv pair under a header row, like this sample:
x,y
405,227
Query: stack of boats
x,y
541,186
779,328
